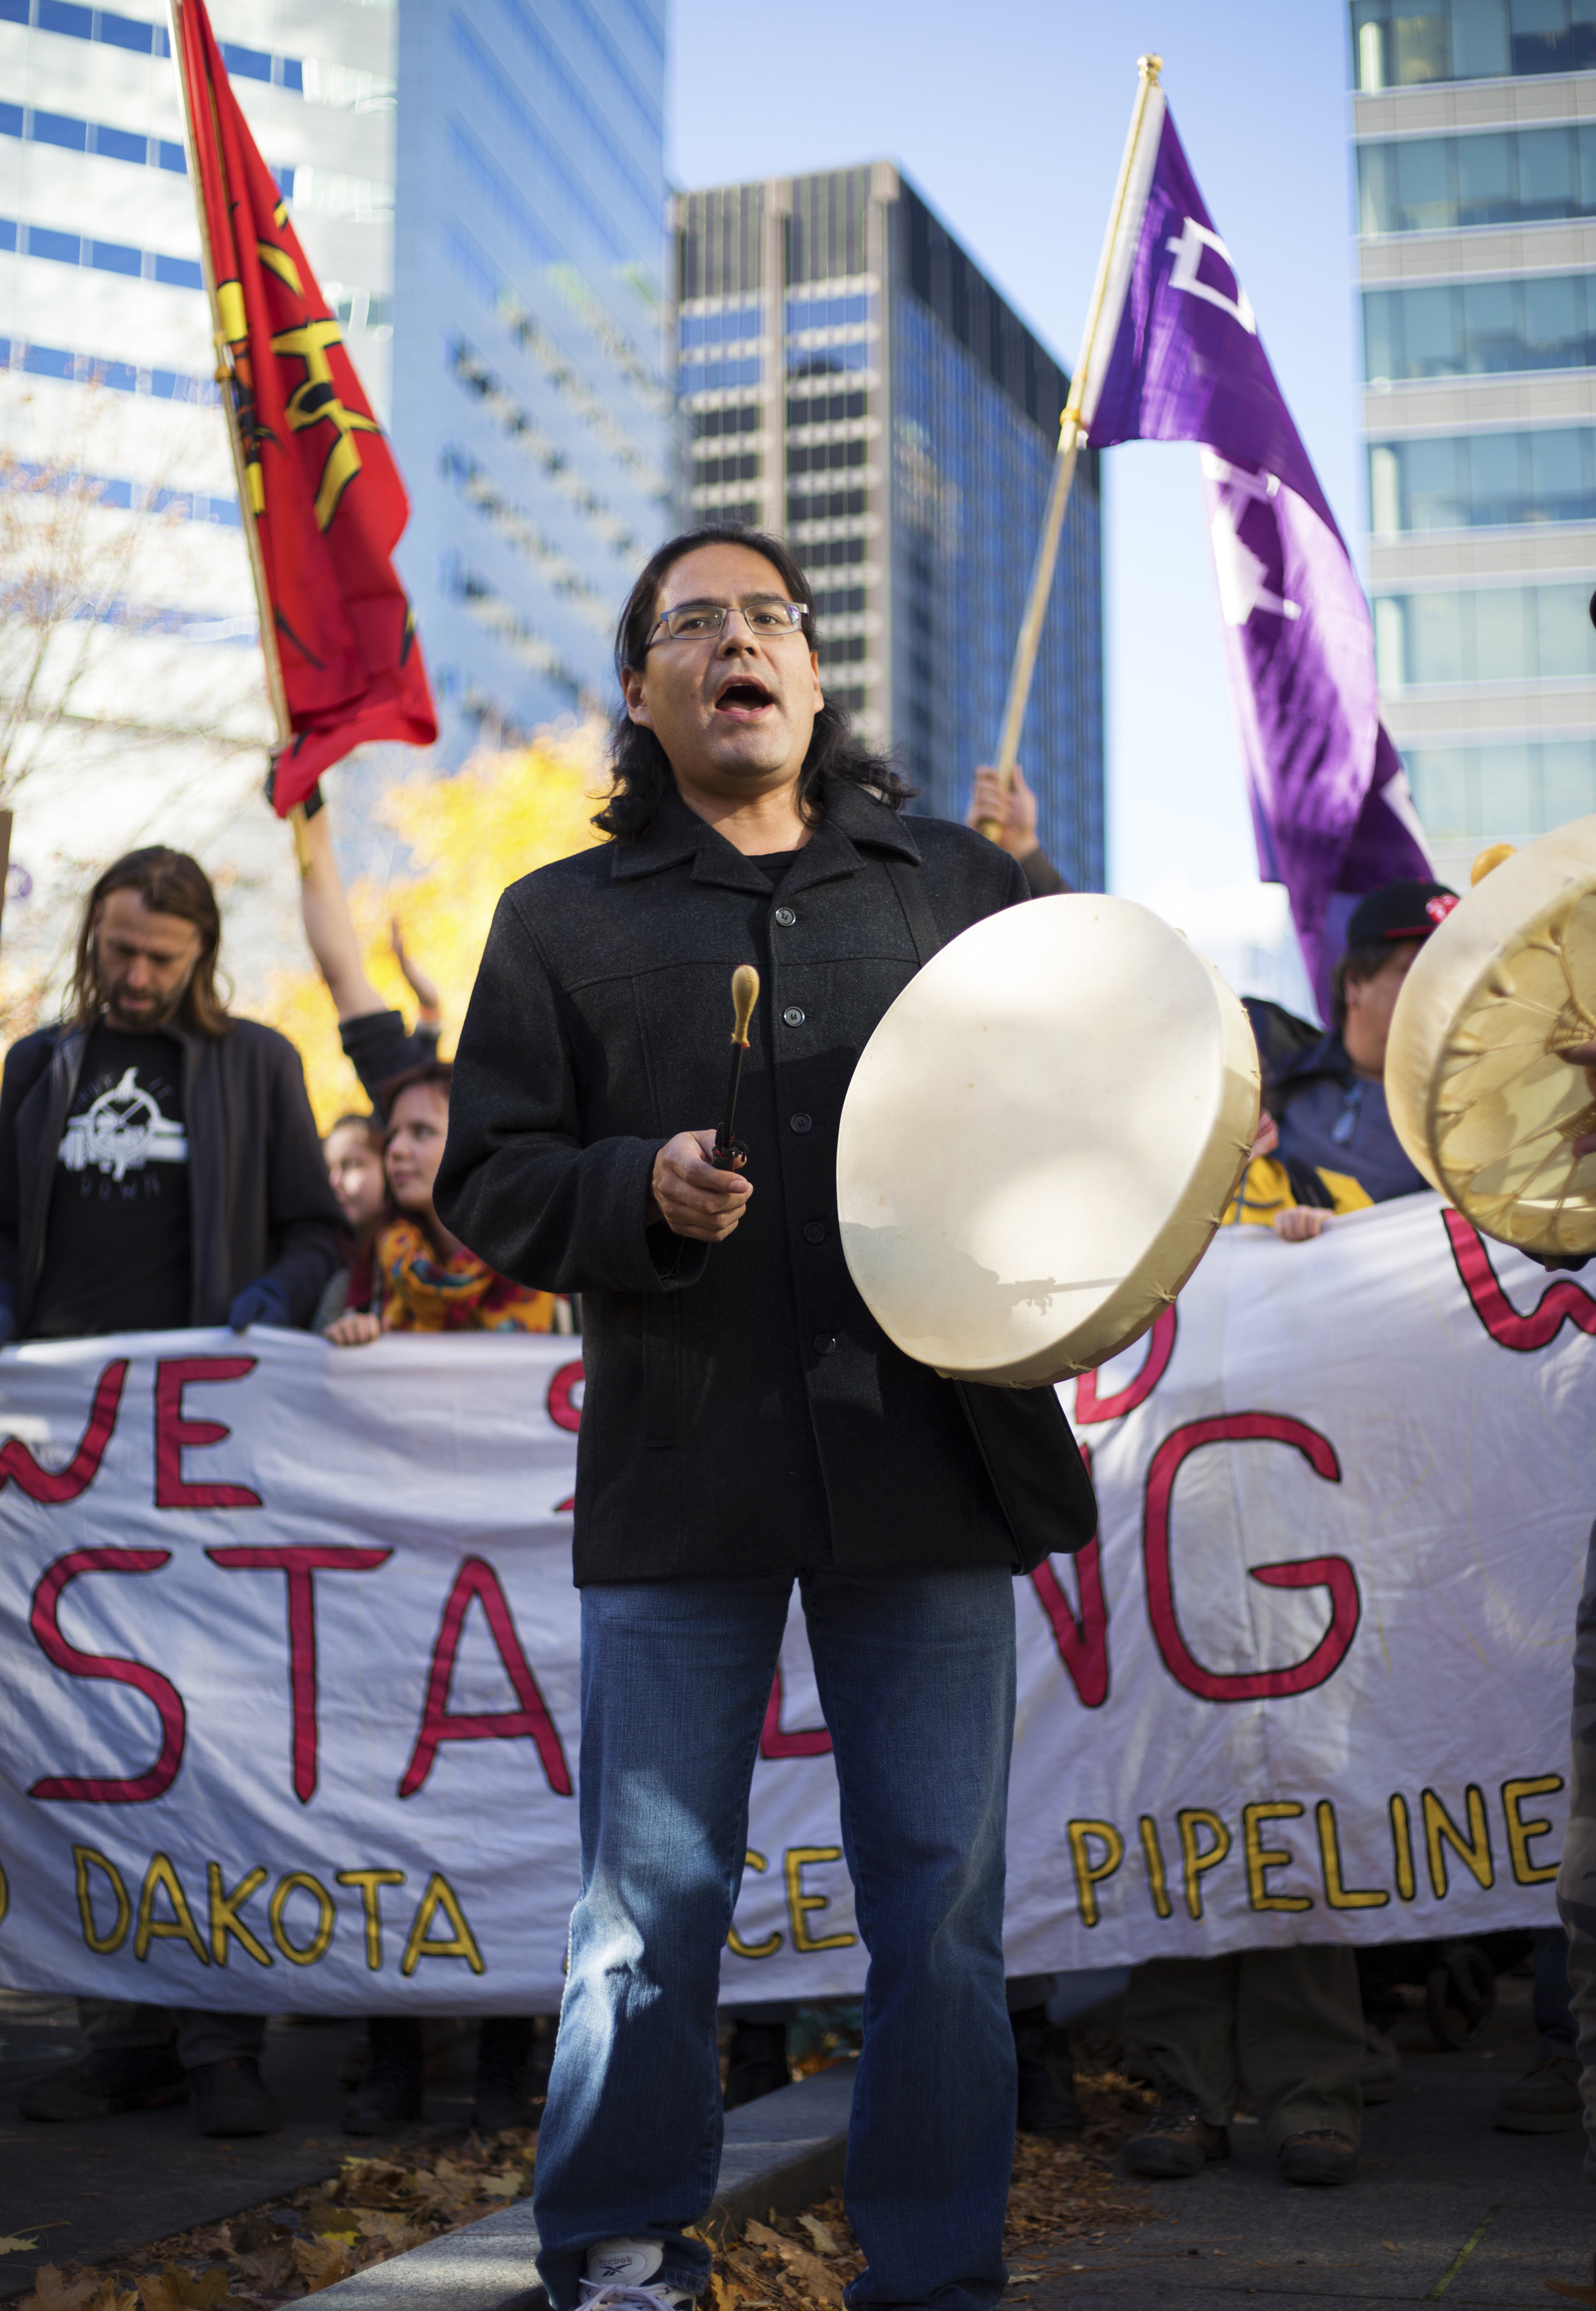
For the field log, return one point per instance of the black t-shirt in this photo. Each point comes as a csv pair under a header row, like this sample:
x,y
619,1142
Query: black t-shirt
x,y
775,864
116,1254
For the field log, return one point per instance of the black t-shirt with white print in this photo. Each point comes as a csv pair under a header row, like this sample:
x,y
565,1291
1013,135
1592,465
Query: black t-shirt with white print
x,y
117,1250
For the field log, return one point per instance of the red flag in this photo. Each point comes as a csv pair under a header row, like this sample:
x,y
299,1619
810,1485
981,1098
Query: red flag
x,y
324,493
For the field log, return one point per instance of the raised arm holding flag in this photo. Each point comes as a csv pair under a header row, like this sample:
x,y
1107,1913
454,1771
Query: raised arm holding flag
x,y
322,502
1172,353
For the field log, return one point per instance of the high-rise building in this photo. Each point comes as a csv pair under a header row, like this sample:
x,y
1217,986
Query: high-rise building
x,y
480,191
1475,129
850,378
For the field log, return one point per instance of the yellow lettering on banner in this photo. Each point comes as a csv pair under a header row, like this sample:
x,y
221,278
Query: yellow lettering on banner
x,y
1153,1853
368,1881
799,1903
1526,1870
1195,1859
441,1896
1473,1852
300,1881
1337,1892
179,1927
225,1913
86,1858
1261,1859
1088,1878
1401,1841
772,1942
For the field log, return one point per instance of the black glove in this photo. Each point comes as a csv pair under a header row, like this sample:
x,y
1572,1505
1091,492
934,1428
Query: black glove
x,y
264,1301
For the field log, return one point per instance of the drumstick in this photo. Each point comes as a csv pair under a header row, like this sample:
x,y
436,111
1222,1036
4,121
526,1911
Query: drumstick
x,y
745,995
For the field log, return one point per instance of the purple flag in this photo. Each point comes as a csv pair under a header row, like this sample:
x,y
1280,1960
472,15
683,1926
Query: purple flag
x,y
1331,805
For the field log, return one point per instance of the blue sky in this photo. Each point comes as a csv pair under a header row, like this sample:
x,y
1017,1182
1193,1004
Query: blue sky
x,y
1010,119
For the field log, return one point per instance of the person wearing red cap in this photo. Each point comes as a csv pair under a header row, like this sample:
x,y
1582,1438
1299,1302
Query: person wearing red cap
x,y
1329,1098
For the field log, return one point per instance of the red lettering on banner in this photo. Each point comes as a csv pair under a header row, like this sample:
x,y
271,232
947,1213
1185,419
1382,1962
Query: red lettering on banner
x,y
558,1403
54,1486
1089,1407
302,1565
175,1434
1562,1301
1083,1641
1331,1572
477,1578
809,1741
44,1622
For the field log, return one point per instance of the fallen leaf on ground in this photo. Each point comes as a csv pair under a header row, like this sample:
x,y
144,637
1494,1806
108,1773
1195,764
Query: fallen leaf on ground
x,y
396,2232
499,2186
53,2290
19,2246
821,2280
825,2242
269,2267
320,2260
177,2289
1565,2286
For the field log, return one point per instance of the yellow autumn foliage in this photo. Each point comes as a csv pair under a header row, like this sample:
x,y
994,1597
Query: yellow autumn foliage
x,y
467,836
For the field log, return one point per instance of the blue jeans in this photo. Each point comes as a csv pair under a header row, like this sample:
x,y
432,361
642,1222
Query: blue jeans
x,y
916,1677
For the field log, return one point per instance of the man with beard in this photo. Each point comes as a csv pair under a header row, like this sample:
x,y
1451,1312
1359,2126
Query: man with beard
x,y
159,1167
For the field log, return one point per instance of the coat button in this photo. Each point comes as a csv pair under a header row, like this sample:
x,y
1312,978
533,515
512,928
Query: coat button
x,y
825,1343
792,1016
800,1123
786,918
814,1232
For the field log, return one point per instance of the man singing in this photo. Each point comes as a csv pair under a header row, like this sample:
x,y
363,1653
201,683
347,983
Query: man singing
x,y
748,1424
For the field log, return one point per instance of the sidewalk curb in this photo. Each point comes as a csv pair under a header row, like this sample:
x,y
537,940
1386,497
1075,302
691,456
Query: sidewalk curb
x,y
779,2153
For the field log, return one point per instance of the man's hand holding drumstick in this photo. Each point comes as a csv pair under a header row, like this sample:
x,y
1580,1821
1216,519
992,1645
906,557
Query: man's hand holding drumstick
x,y
690,1195
695,1189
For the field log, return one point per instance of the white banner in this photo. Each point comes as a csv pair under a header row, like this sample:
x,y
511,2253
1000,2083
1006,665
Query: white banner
x,y
288,1648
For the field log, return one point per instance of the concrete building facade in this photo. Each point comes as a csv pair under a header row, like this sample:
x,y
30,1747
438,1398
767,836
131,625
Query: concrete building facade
x,y
1475,155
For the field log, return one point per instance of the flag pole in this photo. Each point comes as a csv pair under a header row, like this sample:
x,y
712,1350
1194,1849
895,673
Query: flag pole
x,y
276,690
1072,432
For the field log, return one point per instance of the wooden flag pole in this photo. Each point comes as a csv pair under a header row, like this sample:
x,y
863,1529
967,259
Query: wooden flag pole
x,y
1072,433
227,382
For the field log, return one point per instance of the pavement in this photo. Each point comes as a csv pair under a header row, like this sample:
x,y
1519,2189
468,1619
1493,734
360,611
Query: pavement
x,y
87,2193
1445,2209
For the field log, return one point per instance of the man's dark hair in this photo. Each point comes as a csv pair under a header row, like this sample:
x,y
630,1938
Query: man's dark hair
x,y
169,883
1359,963
640,773
437,1072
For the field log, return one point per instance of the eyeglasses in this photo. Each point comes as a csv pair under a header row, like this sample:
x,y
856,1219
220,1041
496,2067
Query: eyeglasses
x,y
699,622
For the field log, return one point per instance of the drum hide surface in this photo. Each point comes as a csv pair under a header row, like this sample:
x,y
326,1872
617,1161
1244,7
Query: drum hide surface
x,y
1040,1139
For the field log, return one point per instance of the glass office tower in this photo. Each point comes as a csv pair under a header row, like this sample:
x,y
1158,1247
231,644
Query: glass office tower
x,y
531,413
1475,127
513,151
848,377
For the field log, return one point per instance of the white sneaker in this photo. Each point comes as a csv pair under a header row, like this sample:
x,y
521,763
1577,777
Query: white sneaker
x,y
619,2272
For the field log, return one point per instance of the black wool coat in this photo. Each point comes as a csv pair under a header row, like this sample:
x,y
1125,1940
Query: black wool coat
x,y
743,1412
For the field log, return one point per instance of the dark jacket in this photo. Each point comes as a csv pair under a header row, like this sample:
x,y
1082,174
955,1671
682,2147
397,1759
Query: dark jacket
x,y
260,1201
743,1412
1331,1118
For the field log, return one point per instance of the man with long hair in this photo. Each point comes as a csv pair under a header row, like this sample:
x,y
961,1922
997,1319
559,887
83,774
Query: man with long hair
x,y
159,1167
747,1424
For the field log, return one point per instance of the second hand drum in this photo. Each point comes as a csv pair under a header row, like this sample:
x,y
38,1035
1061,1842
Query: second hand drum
x,y
1040,1138
1480,1096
